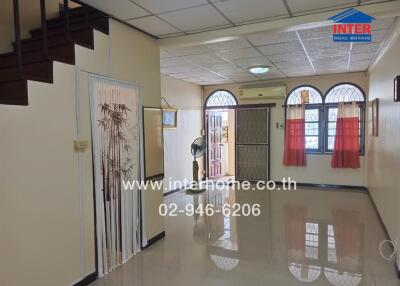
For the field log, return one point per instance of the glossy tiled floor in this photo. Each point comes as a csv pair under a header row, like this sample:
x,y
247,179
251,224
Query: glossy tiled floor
x,y
303,237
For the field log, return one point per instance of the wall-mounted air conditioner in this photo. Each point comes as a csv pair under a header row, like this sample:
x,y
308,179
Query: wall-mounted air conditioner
x,y
276,91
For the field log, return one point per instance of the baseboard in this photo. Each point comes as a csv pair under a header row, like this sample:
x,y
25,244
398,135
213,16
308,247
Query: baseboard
x,y
166,194
330,186
153,240
87,280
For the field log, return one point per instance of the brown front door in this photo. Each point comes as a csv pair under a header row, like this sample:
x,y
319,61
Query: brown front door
x,y
214,129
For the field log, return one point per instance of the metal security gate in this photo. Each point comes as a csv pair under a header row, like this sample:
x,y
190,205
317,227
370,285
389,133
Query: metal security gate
x,y
253,143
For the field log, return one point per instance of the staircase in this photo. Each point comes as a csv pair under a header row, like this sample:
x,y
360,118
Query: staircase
x,y
63,32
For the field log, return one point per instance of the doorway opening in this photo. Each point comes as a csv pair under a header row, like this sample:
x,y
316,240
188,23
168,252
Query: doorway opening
x,y
220,124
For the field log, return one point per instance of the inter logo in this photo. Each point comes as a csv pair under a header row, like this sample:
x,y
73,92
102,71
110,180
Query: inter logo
x,y
352,25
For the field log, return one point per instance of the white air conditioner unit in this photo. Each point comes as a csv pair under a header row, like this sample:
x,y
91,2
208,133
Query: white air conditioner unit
x,y
277,91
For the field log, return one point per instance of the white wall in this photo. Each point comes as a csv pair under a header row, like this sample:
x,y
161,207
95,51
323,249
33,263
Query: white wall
x,y
46,189
383,152
318,169
186,97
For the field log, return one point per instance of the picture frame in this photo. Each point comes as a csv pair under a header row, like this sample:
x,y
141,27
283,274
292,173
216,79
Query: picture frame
x,y
170,118
375,117
397,89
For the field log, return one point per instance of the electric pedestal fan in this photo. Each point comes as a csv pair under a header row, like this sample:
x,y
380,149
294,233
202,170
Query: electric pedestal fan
x,y
198,148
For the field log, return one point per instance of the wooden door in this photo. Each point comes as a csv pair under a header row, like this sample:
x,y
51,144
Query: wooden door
x,y
214,129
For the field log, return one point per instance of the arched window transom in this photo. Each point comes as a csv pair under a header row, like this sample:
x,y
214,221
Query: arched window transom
x,y
314,95
344,93
221,98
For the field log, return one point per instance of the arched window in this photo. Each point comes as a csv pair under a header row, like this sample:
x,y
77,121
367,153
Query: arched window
x,y
313,114
221,98
321,113
345,92
294,96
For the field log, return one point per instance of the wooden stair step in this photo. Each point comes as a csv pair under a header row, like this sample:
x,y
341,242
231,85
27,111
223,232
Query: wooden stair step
x,y
83,37
40,71
62,53
98,23
14,92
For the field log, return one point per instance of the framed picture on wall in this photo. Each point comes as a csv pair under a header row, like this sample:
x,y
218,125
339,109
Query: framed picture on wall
x,y
375,117
397,89
170,118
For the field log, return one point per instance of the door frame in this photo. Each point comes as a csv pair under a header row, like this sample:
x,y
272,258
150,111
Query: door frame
x,y
225,107
257,106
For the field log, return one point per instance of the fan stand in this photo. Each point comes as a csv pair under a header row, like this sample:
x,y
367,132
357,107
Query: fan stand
x,y
196,188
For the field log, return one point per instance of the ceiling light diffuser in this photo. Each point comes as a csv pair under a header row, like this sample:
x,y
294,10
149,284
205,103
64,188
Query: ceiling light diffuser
x,y
259,69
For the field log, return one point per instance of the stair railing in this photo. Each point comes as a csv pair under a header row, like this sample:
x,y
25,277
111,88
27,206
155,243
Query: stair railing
x,y
44,28
66,17
17,31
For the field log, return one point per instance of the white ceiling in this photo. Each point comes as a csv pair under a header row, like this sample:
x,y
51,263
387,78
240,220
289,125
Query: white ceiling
x,y
169,18
288,54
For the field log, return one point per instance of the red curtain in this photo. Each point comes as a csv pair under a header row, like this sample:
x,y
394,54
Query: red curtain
x,y
295,149
346,153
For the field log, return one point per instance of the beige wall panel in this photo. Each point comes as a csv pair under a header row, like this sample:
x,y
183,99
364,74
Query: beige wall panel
x,y
384,151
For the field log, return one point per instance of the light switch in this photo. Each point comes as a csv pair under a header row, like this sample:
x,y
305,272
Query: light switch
x,y
81,145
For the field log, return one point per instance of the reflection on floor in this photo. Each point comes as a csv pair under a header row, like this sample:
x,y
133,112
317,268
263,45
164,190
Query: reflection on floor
x,y
303,237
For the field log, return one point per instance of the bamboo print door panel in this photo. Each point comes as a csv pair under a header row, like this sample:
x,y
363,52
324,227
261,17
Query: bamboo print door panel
x,y
252,144
214,129
116,147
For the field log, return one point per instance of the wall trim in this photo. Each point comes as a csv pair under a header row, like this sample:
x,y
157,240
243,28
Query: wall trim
x,y
87,279
166,194
330,186
153,240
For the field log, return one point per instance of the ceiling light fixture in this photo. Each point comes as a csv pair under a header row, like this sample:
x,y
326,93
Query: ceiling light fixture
x,y
259,69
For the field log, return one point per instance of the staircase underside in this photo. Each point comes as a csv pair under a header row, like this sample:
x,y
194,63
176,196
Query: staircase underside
x,y
38,66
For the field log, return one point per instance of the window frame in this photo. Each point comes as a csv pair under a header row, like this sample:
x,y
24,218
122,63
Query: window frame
x,y
318,106
209,97
329,105
323,118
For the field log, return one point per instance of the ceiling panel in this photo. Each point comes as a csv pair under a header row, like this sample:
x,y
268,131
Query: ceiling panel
x,y
121,9
153,25
172,62
281,48
323,43
316,33
272,38
250,62
382,24
379,35
309,5
160,6
365,47
187,51
362,56
298,56
204,59
196,18
245,79
242,11
228,61
328,52
229,45
240,54
339,62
